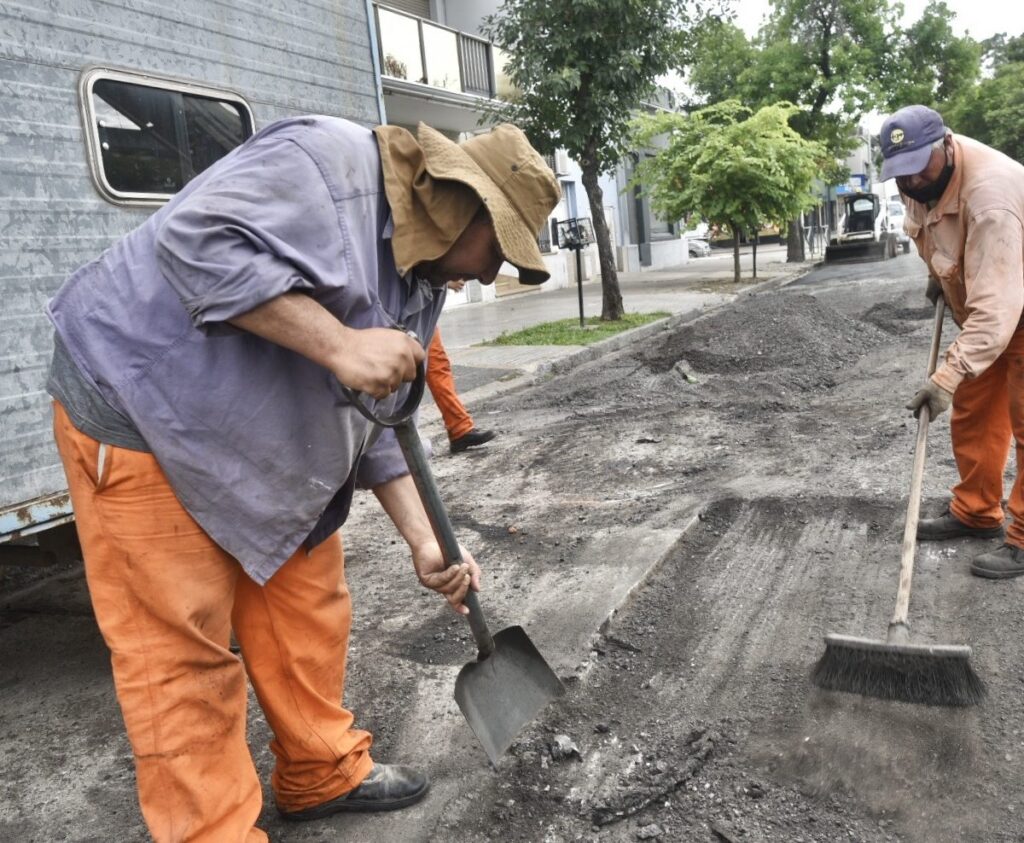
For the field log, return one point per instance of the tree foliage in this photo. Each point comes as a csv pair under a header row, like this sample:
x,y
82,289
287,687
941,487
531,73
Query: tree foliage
x,y
580,68
1003,49
932,64
829,57
838,60
720,58
993,111
735,168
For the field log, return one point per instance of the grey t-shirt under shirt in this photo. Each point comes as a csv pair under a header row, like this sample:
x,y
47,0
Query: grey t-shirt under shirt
x,y
89,411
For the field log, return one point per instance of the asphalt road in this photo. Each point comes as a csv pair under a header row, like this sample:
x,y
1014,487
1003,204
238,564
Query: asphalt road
x,y
676,525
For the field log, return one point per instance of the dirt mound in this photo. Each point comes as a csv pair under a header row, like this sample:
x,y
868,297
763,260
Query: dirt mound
x,y
767,332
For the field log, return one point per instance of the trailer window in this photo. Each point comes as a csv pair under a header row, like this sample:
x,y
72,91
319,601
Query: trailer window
x,y
147,138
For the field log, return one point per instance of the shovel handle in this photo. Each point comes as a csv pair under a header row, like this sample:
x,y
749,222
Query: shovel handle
x,y
412,448
899,618
401,422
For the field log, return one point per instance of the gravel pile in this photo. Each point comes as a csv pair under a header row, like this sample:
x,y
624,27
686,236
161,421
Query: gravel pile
x,y
764,333
897,320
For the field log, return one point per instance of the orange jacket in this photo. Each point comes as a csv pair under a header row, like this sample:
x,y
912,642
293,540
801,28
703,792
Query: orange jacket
x,y
973,243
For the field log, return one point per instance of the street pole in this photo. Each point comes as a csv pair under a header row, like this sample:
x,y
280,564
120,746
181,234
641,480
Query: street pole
x,y
579,281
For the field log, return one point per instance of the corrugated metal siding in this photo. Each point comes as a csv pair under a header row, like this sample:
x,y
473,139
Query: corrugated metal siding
x,y
284,56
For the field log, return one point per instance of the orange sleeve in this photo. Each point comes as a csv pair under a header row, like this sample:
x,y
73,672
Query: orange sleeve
x,y
994,281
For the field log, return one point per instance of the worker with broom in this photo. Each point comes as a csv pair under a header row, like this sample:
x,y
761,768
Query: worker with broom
x,y
965,212
212,454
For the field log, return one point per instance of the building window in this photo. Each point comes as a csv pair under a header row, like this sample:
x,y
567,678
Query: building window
x,y
148,137
661,229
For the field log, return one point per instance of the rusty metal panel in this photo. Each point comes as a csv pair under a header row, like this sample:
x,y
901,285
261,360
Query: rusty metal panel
x,y
284,57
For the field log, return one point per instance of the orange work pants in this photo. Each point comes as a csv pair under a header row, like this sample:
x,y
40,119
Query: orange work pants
x,y
457,420
988,412
166,599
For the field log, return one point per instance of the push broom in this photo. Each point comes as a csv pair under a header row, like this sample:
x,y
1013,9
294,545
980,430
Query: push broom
x,y
897,668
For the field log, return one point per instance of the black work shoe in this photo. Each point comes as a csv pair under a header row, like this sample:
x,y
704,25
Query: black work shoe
x,y
1000,564
948,526
470,440
387,788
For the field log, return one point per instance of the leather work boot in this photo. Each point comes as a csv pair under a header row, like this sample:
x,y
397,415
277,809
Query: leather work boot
x,y
1000,564
470,440
387,788
948,526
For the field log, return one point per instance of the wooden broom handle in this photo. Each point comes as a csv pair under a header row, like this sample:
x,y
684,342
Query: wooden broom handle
x,y
899,617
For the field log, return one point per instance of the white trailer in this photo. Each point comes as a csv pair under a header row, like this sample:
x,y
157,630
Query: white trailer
x,y
109,108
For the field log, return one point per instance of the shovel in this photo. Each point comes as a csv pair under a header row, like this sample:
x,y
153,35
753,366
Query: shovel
x,y
510,682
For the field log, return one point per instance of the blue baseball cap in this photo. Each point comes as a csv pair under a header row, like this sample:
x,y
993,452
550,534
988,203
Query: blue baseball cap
x,y
907,137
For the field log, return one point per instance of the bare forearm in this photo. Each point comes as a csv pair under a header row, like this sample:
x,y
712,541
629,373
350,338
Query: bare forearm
x,y
370,360
297,322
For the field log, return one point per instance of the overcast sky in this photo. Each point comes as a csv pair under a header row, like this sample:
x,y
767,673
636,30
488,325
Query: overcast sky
x,y
981,18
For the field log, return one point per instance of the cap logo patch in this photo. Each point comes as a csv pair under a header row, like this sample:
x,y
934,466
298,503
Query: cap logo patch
x,y
896,136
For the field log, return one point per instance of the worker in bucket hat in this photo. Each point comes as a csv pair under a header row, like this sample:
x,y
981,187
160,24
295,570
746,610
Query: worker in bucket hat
x,y
965,212
211,456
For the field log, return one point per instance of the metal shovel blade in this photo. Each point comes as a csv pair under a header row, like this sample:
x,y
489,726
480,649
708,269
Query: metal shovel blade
x,y
501,694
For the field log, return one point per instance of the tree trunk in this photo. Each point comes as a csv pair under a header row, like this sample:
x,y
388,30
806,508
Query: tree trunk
x,y
795,242
735,252
611,298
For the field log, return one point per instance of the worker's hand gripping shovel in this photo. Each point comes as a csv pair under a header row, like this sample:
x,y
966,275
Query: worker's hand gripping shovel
x,y
510,682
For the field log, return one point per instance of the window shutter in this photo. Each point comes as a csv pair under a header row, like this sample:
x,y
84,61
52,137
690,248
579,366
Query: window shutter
x,y
420,8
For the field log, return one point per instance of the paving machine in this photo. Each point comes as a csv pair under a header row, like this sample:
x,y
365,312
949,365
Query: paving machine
x,y
863,234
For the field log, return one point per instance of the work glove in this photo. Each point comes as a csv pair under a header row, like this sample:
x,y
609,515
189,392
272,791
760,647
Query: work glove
x,y
934,290
937,399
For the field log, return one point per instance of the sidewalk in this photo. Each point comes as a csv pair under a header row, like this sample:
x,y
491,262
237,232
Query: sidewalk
x,y
685,292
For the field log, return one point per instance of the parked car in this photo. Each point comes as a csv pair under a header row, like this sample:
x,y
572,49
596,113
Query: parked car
x,y
897,213
697,247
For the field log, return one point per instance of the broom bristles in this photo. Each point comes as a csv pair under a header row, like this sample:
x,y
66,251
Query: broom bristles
x,y
922,674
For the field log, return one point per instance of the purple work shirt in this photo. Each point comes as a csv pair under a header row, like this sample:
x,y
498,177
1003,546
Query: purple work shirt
x,y
256,440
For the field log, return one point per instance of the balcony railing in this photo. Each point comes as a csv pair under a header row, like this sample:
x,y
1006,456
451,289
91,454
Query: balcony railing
x,y
419,50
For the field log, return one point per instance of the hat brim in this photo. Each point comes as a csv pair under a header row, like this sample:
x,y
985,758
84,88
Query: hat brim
x,y
444,159
908,163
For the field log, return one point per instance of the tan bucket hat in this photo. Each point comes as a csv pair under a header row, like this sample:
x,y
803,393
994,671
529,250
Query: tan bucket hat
x,y
513,181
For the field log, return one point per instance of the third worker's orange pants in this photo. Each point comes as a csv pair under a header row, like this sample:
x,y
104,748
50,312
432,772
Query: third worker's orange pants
x,y
166,599
988,412
457,420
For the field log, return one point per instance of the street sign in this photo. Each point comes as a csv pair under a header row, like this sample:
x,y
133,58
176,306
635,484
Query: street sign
x,y
575,233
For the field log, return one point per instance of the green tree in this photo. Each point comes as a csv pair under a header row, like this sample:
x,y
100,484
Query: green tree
x,y
580,68
829,57
837,59
734,168
719,59
932,65
1003,49
993,111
